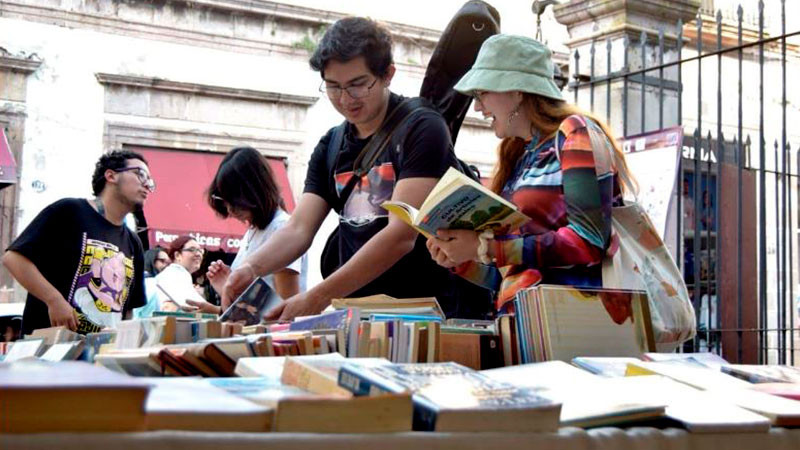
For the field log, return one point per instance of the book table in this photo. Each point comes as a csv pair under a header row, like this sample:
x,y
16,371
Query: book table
x,y
566,438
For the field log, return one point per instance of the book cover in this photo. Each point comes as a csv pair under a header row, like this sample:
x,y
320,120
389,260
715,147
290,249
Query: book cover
x,y
606,366
771,373
471,402
450,397
587,400
192,404
63,351
254,302
25,348
707,359
315,373
561,323
385,304
458,202
785,390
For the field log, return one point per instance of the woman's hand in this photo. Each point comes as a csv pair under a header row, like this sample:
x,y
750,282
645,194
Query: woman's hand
x,y
204,307
217,275
451,248
237,282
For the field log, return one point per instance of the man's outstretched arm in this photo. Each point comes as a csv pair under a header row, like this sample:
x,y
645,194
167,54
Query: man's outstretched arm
x,y
379,254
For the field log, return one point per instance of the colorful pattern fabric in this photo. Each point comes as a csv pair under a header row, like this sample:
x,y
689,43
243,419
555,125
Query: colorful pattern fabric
x,y
568,196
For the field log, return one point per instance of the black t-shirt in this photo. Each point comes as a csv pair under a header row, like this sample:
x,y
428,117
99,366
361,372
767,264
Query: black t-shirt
x,y
424,151
97,266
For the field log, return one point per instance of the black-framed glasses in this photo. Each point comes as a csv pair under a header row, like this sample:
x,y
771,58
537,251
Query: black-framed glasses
x,y
142,175
195,250
360,90
162,260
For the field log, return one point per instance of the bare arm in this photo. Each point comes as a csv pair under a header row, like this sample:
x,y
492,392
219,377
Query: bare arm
x,y
287,283
29,276
283,247
373,259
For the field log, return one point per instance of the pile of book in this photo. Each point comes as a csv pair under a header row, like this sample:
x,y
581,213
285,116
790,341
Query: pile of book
x,y
566,358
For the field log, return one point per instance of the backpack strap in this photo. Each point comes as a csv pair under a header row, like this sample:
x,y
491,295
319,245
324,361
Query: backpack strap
x,y
379,142
334,147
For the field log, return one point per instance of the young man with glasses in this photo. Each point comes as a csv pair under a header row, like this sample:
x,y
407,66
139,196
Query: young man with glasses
x,y
379,253
82,267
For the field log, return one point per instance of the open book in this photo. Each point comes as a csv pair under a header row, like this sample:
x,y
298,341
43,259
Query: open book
x,y
458,202
252,304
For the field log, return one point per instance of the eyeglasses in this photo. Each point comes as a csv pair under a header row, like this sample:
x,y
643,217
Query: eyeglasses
x,y
360,90
162,260
477,96
142,175
195,250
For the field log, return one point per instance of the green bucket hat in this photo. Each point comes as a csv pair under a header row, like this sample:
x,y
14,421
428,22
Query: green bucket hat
x,y
511,63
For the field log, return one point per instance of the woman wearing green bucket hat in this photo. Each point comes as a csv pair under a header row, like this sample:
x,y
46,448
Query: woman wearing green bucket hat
x,y
547,167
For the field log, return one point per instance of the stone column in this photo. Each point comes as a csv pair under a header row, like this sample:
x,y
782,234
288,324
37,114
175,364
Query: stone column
x,y
616,27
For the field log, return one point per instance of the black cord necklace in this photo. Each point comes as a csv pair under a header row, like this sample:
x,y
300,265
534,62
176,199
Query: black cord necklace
x,y
100,208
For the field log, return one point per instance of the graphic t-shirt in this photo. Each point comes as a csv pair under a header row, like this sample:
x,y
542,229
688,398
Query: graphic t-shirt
x,y
97,266
423,150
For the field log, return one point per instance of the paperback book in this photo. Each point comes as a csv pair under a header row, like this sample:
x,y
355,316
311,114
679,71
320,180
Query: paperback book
x,y
458,202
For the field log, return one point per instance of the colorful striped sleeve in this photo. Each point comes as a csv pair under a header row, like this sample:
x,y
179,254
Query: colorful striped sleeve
x,y
588,197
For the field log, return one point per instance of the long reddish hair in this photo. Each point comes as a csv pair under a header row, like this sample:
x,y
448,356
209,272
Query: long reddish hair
x,y
545,115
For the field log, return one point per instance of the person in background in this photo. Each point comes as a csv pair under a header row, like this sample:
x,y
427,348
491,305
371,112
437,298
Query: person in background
x,y
549,166
82,267
176,279
155,260
13,330
245,189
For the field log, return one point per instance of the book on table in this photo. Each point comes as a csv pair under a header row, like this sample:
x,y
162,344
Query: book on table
x,y
780,411
69,396
188,403
770,373
561,323
458,202
297,410
587,400
382,303
319,374
451,397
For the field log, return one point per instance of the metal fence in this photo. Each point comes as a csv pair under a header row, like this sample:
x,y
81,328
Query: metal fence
x,y
745,156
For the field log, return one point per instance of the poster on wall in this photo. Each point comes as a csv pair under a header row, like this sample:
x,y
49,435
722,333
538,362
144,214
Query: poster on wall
x,y
653,160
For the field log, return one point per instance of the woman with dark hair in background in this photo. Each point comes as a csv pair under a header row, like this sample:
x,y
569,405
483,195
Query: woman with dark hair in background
x,y
155,260
245,189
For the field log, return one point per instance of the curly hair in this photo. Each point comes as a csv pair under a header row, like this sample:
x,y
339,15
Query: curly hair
x,y
114,160
350,38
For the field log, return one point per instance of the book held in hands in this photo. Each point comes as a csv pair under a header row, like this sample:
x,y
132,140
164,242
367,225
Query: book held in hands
x,y
459,203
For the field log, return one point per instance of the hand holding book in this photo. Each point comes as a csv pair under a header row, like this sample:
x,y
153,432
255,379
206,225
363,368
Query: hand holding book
x,y
459,203
449,248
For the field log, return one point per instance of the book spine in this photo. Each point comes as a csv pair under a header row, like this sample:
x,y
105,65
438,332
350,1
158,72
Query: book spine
x,y
361,384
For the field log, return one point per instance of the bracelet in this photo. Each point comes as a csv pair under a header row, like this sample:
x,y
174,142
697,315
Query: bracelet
x,y
483,246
